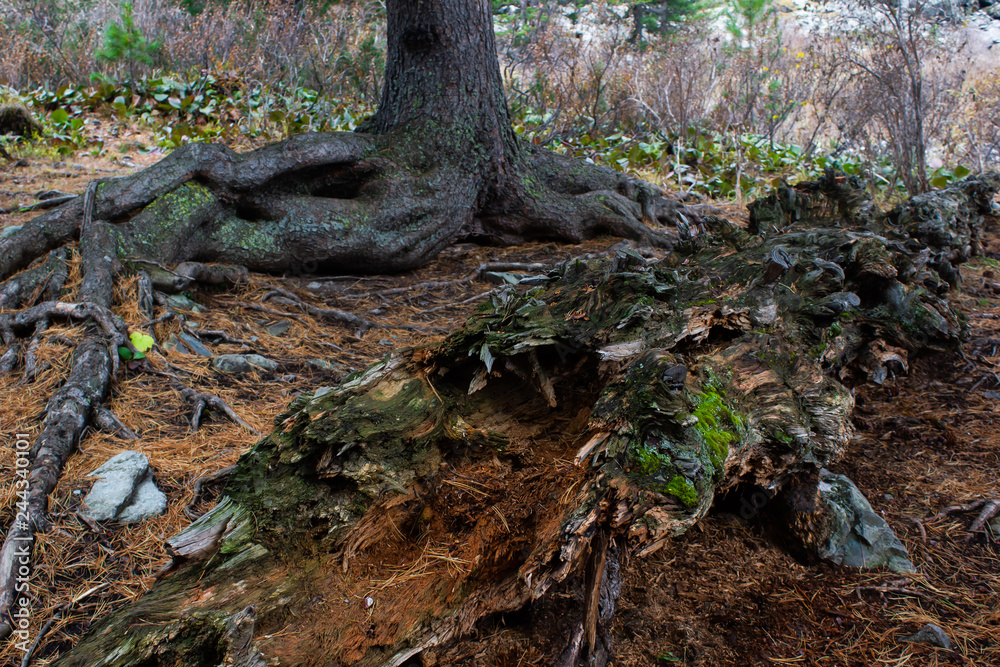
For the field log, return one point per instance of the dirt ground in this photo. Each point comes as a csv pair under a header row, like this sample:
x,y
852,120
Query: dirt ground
x,y
726,593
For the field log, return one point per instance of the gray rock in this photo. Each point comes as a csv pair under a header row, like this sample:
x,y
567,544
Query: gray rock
x,y
930,634
124,490
115,486
244,363
320,364
279,328
173,343
947,10
181,302
147,502
195,345
499,278
856,536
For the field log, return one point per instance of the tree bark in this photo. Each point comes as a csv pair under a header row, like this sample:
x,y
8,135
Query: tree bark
x,y
606,408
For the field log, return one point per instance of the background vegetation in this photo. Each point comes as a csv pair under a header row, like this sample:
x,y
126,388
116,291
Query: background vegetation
x,y
713,99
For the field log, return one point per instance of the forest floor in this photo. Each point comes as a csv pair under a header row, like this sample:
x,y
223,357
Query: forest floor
x,y
726,593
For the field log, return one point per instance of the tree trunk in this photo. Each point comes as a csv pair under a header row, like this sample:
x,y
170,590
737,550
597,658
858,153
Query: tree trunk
x,y
602,410
438,162
442,73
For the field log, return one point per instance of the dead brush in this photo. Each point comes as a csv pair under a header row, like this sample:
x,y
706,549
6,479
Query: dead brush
x,y
977,143
272,42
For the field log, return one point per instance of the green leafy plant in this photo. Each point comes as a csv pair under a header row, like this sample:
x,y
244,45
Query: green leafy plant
x,y
140,344
65,132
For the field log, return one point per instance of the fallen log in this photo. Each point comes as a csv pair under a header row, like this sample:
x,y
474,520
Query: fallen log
x,y
601,411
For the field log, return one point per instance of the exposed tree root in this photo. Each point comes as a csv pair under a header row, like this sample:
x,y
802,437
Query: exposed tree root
x,y
107,421
260,308
198,488
286,298
74,405
44,280
218,336
335,201
41,205
111,325
67,414
989,508
31,367
8,360
201,401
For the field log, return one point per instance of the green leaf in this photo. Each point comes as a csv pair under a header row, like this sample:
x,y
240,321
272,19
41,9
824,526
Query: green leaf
x,y
962,172
124,352
60,116
141,342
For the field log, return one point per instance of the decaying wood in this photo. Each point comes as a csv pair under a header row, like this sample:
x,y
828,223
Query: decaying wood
x,y
608,405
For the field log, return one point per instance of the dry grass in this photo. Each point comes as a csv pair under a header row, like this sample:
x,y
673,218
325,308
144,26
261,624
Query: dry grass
x,y
253,44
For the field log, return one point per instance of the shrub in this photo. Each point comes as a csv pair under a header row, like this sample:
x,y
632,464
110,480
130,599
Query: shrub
x,y
125,44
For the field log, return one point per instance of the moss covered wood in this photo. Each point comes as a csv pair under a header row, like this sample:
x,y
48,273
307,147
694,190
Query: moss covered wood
x,y
446,484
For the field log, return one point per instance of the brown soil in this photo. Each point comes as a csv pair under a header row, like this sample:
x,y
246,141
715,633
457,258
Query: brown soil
x,y
726,593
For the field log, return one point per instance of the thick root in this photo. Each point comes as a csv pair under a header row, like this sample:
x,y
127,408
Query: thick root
x,y
339,203
67,414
